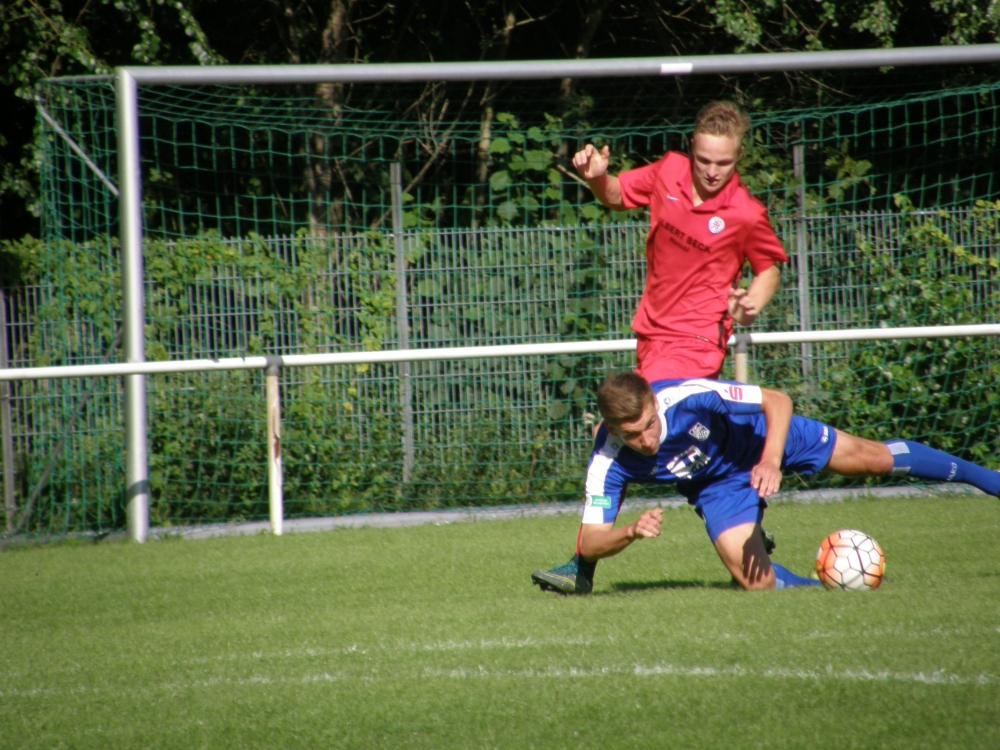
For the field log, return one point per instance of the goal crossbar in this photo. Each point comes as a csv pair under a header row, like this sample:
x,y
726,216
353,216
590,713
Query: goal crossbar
x,y
761,62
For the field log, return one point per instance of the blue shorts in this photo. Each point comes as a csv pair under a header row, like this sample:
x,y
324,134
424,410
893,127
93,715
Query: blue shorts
x,y
731,501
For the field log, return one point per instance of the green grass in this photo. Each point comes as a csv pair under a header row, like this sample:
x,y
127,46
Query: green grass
x,y
432,637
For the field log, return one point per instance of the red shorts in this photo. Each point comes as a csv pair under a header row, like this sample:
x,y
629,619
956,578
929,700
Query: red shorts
x,y
678,359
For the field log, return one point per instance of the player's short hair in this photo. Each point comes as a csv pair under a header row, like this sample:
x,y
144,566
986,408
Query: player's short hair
x,y
722,118
622,398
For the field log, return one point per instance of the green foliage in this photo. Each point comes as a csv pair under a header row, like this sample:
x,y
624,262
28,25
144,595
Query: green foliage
x,y
525,177
341,446
938,391
488,432
848,173
74,37
768,172
20,261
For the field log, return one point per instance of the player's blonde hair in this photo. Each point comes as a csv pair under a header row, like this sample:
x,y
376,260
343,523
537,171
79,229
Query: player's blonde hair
x,y
622,398
722,118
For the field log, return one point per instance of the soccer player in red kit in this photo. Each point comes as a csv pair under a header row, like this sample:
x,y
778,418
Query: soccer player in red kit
x,y
703,225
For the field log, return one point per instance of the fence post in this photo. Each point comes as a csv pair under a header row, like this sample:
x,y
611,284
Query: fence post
x,y
6,427
402,317
802,254
740,358
275,495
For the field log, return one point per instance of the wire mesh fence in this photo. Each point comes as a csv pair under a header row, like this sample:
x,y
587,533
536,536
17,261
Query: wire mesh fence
x,y
485,431
274,160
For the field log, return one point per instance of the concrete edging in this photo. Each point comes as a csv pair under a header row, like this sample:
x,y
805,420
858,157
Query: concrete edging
x,y
508,512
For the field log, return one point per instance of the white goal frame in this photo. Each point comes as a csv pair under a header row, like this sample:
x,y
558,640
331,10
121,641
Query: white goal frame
x,y
128,80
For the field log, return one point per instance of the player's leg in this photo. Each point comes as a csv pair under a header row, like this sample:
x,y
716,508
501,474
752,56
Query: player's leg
x,y
742,550
573,577
858,457
733,512
853,456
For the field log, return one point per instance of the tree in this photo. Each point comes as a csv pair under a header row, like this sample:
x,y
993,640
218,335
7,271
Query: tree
x,y
40,39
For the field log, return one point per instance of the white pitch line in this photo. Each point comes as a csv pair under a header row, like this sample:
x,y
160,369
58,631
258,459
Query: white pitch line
x,y
933,677
936,677
528,642
355,648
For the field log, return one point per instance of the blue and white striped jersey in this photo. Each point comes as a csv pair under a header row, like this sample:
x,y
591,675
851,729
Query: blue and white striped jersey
x,y
709,429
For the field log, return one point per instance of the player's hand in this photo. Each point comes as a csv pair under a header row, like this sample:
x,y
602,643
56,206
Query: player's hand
x,y
765,477
648,525
591,163
742,307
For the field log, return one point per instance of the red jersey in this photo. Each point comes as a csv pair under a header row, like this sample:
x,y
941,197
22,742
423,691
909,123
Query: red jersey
x,y
695,254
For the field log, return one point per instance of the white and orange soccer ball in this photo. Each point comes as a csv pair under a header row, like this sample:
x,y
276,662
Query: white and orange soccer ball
x,y
850,560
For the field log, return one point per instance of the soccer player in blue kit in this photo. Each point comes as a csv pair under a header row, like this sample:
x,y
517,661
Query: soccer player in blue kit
x,y
725,446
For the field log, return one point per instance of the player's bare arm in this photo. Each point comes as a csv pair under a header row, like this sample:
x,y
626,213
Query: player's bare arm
x,y
745,304
598,541
592,165
765,477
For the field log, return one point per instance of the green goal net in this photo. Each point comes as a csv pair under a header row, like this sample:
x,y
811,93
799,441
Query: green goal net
x,y
268,230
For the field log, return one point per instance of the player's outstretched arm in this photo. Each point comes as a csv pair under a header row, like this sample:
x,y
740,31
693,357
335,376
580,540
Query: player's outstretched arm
x,y
746,304
765,477
592,165
598,541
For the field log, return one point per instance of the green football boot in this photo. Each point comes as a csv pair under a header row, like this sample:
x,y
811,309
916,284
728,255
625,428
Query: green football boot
x,y
575,577
769,543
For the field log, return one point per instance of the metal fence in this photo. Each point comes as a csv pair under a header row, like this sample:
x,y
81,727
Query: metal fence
x,y
464,288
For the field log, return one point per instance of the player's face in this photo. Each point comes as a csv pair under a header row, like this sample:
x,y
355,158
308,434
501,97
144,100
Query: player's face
x,y
713,162
642,435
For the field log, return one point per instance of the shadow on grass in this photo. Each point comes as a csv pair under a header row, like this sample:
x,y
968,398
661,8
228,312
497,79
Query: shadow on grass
x,y
626,586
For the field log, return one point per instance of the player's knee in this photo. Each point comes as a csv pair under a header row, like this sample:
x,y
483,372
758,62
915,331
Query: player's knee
x,y
855,456
881,459
875,457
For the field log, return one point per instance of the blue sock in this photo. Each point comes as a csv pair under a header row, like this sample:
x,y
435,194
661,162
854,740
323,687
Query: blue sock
x,y
785,579
917,460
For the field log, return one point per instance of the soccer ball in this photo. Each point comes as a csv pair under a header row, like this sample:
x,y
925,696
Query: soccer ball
x,y
850,560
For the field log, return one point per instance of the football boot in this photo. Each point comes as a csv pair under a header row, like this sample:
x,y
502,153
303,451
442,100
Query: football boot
x,y
574,577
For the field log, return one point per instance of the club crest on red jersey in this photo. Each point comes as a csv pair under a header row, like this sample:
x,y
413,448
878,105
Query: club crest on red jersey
x,y
716,224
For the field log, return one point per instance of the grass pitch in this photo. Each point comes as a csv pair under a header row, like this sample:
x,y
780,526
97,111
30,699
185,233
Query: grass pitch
x,y
433,637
